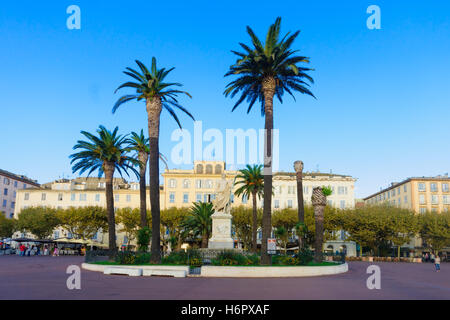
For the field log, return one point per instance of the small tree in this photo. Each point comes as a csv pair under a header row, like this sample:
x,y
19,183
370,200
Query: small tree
x,y
39,221
83,222
143,238
7,226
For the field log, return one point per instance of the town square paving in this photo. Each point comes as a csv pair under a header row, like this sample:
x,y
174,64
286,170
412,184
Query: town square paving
x,y
45,277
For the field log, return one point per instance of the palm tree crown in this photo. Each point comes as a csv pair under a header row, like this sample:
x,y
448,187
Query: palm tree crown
x,y
275,60
149,85
251,181
199,221
108,147
138,142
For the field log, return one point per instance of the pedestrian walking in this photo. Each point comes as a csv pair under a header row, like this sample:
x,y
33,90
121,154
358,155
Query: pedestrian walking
x,y
437,263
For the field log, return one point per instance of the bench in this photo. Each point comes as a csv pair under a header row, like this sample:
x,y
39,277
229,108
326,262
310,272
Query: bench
x,y
132,272
168,273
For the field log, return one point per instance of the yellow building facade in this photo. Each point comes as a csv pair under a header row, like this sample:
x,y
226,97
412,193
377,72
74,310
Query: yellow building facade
x,y
420,194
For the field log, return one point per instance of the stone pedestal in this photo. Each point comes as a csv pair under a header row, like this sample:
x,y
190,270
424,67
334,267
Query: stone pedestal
x,y
221,231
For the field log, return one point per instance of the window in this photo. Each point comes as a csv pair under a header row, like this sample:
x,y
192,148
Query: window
x,y
393,192
205,197
198,184
208,184
433,209
209,169
69,235
289,203
97,197
82,196
422,199
218,169
199,168
422,187
342,204
172,197
6,181
15,184
185,197
198,197
405,199
330,203
343,190
5,191
186,183
72,197
60,196
434,199
5,203
433,187
244,198
128,197
405,188
445,187
26,196
305,190
277,204
445,199
56,235
116,198
43,196
172,183
24,186
291,190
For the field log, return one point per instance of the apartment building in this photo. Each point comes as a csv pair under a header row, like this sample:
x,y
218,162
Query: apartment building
x,y
10,184
182,187
420,194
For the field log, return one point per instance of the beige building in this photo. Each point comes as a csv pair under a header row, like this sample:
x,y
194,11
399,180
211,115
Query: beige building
x,y
10,184
418,194
180,189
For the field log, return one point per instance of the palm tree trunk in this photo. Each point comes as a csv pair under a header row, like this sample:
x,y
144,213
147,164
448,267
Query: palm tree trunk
x,y
154,112
300,204
205,241
108,168
143,158
255,224
268,87
318,214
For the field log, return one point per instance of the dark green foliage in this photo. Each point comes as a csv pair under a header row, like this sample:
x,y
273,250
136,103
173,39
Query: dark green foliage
x,y
233,258
190,257
143,238
274,59
107,147
150,84
301,259
132,258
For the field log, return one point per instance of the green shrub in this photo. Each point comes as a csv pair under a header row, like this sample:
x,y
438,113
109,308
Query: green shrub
x,y
191,257
304,257
132,258
143,238
233,258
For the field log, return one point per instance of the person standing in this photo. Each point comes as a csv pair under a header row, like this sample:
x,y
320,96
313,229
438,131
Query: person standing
x,y
437,263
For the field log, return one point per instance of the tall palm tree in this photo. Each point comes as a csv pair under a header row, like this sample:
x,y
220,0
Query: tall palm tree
x,y
105,154
139,144
199,221
251,182
158,95
263,72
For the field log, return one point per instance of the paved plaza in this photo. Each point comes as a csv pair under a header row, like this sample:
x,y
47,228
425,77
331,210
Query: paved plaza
x,y
45,278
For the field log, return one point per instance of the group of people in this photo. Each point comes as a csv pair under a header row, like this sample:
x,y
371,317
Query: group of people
x,y
32,250
430,257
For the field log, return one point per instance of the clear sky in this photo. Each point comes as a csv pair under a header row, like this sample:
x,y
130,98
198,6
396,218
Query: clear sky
x,y
383,96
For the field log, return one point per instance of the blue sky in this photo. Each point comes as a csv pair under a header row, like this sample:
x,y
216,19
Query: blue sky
x,y
382,110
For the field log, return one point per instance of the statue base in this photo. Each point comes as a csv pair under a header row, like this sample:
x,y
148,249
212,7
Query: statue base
x,y
221,232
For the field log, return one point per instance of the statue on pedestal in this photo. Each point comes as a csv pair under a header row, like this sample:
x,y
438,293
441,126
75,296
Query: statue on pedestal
x,y
221,219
